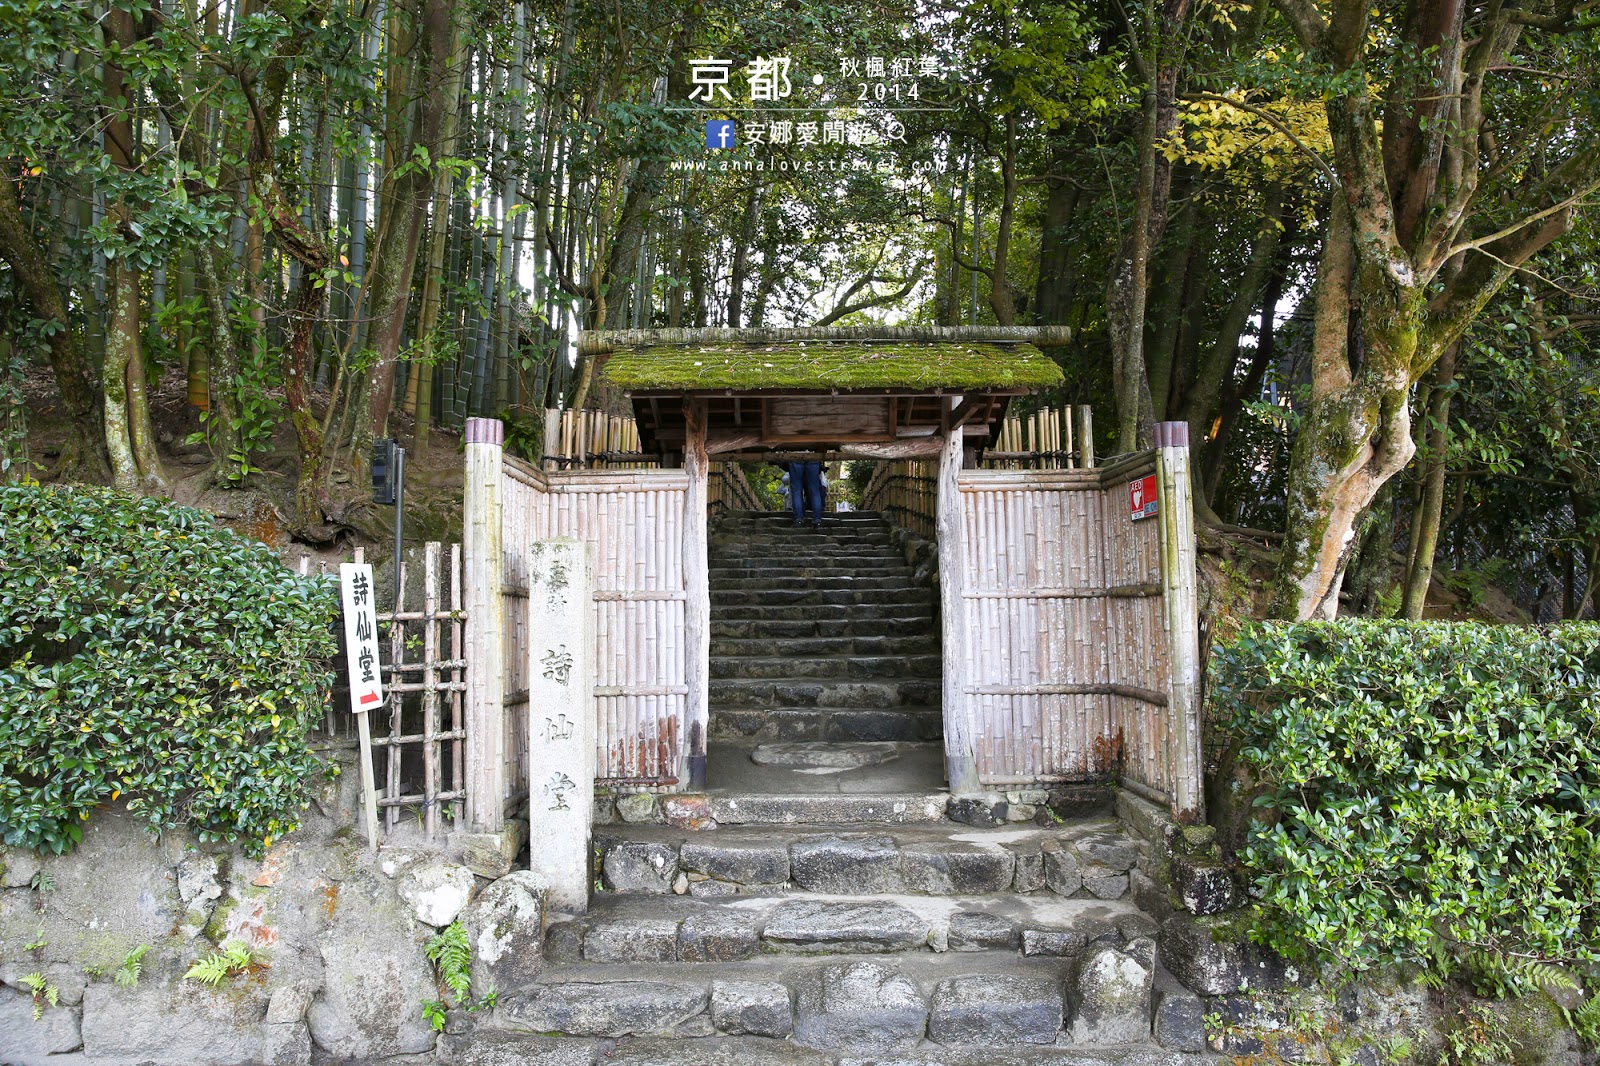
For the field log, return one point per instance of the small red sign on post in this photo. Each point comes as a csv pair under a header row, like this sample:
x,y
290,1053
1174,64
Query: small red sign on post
x,y
1143,500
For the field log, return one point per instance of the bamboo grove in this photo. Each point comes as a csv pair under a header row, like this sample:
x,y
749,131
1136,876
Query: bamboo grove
x,y
1346,243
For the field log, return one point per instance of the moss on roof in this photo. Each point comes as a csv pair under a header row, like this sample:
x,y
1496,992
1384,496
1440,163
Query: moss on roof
x,y
832,365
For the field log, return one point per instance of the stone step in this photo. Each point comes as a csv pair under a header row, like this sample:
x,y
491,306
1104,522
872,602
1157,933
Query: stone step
x,y
842,645
827,723
742,692
809,597
805,537
779,521
871,615
1086,859
801,553
782,568
730,808
639,929
772,582
788,667
1042,1010
789,623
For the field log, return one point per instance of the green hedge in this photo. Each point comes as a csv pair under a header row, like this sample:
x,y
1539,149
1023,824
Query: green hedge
x,y
148,655
1433,790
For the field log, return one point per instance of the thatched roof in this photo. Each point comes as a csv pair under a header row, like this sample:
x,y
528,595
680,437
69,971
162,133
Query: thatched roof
x,y
824,364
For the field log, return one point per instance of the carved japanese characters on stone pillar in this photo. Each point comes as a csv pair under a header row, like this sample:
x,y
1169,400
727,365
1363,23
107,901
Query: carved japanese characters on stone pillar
x,y
561,725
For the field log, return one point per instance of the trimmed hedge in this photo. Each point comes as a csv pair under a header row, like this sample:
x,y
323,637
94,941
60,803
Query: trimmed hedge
x,y
148,655
1432,790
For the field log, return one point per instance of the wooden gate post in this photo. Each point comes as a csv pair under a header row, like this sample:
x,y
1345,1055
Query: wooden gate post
x,y
1180,601
960,753
483,562
697,594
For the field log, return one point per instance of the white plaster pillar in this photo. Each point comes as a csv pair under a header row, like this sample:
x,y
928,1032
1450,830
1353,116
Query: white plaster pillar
x,y
1180,600
483,565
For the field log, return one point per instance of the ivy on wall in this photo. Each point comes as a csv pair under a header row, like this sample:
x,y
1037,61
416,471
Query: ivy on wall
x,y
1429,791
148,656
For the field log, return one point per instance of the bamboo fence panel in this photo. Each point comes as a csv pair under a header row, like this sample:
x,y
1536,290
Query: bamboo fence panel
x,y
632,521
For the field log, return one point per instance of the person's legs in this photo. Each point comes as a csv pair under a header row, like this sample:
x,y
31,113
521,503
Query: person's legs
x,y
797,498
813,490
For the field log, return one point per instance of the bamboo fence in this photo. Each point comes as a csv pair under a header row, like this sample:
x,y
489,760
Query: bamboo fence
x,y
422,770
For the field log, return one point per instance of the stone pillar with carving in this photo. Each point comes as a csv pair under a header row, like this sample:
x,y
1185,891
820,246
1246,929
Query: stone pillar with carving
x,y
561,725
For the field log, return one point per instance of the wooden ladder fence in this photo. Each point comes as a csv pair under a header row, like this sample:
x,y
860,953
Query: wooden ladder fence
x,y
419,746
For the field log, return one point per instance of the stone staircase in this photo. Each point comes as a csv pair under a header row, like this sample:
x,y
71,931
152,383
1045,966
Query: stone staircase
x,y
821,905
819,634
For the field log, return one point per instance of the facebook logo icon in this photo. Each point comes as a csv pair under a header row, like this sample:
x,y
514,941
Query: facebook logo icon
x,y
719,133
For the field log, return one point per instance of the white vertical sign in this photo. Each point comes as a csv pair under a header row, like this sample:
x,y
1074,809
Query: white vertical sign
x,y
361,637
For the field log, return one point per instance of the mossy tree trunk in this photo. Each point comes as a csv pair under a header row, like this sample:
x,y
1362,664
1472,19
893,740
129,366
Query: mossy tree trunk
x,y
1406,204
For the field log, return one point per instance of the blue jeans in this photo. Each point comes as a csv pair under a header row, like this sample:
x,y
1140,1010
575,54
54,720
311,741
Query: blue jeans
x,y
805,487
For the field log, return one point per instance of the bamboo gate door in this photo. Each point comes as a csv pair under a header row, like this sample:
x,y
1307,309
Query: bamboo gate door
x,y
1070,624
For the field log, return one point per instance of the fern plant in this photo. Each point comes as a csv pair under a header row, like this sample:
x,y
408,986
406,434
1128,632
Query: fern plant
x,y
1585,1021
132,967
42,992
235,956
452,954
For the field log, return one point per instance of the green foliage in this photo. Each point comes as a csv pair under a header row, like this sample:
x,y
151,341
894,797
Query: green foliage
x,y
1432,792
449,950
1477,1037
132,968
146,653
234,957
1585,1021
451,953
42,992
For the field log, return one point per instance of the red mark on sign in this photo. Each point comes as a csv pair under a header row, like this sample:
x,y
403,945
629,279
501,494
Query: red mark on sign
x,y
371,697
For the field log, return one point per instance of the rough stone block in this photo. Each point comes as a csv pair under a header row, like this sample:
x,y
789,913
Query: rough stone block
x,y
976,931
995,1010
1219,967
640,866
612,1008
836,926
1061,942
1204,887
182,1024
1180,1020
637,807
746,864
717,936
563,941
687,812
28,1041
859,1006
632,940
491,855
847,864
1062,870
1107,849
17,867
1110,998
1102,882
1135,924
751,1008
1149,896
437,891
367,1009
981,812
953,869
481,1046
1029,870
505,926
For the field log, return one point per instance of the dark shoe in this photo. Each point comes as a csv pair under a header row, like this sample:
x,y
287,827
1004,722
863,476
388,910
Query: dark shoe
x,y
798,523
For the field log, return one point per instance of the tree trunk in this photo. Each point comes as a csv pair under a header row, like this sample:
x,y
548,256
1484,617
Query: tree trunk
x,y
1425,525
1129,285
1000,299
405,206
1053,294
73,377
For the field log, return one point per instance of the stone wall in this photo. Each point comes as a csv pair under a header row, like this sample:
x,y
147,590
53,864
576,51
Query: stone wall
x,y
338,932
